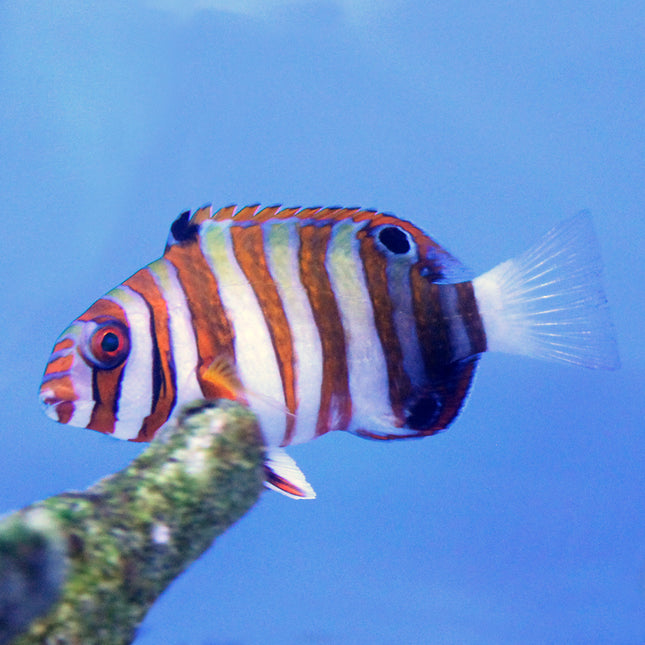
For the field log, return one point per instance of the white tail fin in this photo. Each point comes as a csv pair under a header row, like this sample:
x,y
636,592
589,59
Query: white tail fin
x,y
549,301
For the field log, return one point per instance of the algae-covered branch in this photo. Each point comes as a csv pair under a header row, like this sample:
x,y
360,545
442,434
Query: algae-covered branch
x,y
85,567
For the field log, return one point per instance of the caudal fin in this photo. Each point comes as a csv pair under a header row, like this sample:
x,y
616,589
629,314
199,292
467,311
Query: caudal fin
x,y
549,302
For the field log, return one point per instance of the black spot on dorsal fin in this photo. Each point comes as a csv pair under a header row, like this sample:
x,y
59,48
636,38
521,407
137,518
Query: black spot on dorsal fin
x,y
182,230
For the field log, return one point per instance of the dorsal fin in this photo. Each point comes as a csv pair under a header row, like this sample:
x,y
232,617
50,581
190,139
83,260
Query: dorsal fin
x,y
441,265
268,212
255,213
183,229
247,213
202,214
286,213
226,212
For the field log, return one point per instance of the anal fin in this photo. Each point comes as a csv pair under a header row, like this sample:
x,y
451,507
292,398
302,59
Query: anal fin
x,y
284,476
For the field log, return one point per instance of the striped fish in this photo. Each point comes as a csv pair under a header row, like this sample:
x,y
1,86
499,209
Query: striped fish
x,y
319,319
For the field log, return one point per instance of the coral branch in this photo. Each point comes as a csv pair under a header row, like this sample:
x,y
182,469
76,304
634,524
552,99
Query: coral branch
x,y
96,560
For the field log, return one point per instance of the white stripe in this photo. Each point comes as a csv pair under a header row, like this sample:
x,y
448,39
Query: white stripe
x,y
82,412
398,284
81,376
135,400
459,341
61,353
368,381
282,243
183,344
255,358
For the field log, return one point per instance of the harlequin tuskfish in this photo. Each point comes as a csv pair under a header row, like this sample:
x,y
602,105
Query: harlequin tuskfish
x,y
319,319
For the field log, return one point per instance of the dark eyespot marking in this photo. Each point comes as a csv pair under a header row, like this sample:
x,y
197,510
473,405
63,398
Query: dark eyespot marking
x,y
423,411
181,230
394,240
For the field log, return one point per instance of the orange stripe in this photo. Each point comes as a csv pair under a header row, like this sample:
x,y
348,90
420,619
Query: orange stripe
x,y
328,213
201,215
103,307
335,401
247,213
62,390
308,213
364,214
161,362
375,266
467,309
347,213
248,246
61,387
65,411
226,212
60,364
269,212
66,343
432,329
106,385
212,328
286,213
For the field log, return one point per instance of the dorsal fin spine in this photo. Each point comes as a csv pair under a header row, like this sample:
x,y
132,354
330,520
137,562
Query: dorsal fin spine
x,y
286,213
436,260
226,212
202,214
255,213
268,212
248,215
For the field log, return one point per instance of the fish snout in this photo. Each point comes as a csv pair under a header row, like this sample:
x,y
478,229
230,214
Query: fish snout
x,y
57,398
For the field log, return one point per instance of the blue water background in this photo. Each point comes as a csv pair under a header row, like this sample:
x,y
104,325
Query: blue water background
x,y
485,123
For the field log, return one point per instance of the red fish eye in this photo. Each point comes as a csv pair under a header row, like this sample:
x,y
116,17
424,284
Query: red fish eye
x,y
108,344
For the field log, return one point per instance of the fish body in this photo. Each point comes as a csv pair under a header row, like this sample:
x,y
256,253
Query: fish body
x,y
319,319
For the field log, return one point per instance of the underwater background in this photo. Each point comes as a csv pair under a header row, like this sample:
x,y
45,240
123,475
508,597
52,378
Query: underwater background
x,y
485,124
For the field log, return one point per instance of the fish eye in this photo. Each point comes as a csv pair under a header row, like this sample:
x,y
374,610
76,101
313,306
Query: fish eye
x,y
110,342
107,344
394,240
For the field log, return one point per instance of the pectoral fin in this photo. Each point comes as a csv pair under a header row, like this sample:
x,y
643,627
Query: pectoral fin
x,y
282,473
284,476
223,380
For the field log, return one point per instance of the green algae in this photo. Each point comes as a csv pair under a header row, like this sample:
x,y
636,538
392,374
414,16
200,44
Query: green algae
x,y
128,536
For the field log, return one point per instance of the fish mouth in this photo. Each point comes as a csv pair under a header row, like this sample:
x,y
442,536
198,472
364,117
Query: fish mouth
x,y
56,407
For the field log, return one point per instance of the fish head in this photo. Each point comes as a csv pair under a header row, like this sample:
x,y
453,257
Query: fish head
x,y
81,385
